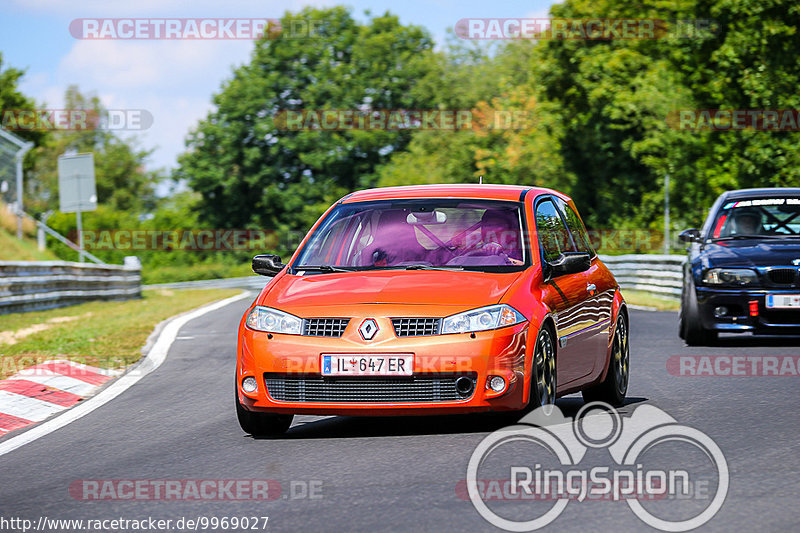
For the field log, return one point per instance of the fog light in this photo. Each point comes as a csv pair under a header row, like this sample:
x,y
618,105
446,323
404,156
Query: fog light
x,y
753,307
249,384
721,310
497,383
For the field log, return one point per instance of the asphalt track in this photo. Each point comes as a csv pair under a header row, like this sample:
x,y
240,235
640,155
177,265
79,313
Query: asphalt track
x,y
388,474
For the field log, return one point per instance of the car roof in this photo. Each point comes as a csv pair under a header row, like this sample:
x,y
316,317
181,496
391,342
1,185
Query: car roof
x,y
764,192
454,190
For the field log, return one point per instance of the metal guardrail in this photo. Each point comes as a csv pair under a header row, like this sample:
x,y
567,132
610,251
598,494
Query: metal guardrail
x,y
661,275
36,285
245,282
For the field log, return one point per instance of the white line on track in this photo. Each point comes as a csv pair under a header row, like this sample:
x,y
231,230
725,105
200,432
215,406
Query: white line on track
x,y
153,359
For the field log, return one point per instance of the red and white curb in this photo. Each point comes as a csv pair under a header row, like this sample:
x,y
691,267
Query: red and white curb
x,y
42,390
155,356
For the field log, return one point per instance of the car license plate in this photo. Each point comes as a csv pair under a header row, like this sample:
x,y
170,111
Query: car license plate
x,y
783,301
367,365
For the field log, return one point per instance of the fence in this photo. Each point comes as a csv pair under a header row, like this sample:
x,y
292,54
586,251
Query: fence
x,y
661,275
35,285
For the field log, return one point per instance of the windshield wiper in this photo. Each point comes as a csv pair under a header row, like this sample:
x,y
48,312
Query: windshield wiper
x,y
321,268
740,237
431,267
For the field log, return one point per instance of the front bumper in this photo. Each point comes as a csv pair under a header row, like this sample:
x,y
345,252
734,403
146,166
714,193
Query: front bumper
x,y
282,363
739,317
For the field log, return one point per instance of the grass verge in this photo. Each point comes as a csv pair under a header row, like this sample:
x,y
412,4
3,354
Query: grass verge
x,y
104,334
12,249
173,273
649,300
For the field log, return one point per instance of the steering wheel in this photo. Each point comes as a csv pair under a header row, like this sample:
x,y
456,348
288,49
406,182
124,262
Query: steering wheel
x,y
502,257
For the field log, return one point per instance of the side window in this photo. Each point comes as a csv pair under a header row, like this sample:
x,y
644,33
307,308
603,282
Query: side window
x,y
553,235
576,228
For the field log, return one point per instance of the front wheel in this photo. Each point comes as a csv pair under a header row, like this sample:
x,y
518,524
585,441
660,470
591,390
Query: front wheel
x,y
261,424
612,390
543,376
691,328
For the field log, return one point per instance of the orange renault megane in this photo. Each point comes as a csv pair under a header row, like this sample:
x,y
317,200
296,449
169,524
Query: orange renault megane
x,y
432,300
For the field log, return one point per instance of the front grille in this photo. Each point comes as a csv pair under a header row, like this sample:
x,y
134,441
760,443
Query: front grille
x,y
432,388
782,276
416,327
781,317
324,327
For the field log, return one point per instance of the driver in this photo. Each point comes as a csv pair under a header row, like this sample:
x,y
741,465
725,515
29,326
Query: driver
x,y
747,222
499,236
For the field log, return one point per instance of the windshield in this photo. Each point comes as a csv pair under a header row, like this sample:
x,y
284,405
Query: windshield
x,y
761,217
446,233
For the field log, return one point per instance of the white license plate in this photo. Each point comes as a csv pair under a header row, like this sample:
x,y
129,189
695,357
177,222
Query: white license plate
x,y
367,365
783,301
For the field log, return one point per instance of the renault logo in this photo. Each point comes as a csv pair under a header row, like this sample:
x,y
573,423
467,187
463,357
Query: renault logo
x,y
368,329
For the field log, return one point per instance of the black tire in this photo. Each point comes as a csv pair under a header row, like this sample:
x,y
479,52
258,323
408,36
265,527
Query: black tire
x,y
614,387
543,370
691,328
261,424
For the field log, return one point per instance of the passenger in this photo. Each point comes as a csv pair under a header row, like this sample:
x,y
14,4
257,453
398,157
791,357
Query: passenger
x,y
394,241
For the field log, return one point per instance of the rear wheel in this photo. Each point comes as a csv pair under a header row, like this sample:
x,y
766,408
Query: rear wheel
x,y
613,389
261,424
543,377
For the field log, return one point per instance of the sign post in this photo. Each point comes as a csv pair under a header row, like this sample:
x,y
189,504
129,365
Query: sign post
x,y
666,214
76,188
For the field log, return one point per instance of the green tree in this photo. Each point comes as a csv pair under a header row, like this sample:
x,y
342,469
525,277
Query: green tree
x,y
12,99
123,183
250,172
752,63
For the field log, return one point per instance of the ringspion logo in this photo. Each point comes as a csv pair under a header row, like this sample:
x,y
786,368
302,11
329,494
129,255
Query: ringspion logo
x,y
548,460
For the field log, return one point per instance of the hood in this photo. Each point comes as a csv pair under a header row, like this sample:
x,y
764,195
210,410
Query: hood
x,y
753,253
460,289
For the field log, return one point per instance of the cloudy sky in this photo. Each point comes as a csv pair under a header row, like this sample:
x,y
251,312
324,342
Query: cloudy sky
x,y
174,79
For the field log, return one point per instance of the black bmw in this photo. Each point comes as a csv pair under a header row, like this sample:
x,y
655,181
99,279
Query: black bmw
x,y
743,271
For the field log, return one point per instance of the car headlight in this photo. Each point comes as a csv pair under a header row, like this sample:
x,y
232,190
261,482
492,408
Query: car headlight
x,y
485,318
730,276
267,319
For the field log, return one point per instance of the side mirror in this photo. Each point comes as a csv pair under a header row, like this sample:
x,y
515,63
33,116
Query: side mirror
x,y
570,263
689,235
267,265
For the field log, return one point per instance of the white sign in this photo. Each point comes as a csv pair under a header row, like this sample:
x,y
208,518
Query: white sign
x,y
76,187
